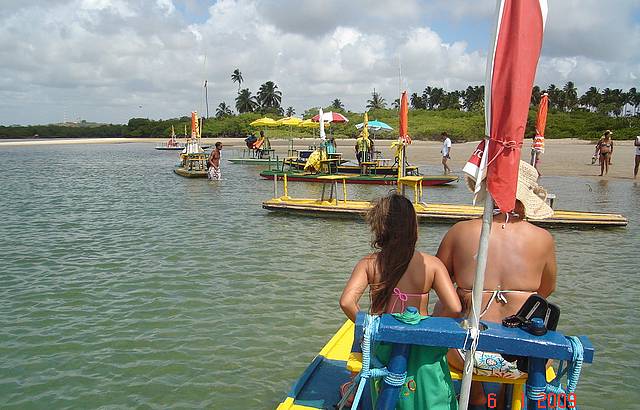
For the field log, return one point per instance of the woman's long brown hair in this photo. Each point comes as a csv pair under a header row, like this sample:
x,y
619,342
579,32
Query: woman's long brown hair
x,y
394,232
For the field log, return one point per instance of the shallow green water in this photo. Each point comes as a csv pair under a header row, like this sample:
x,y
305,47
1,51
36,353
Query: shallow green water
x,y
124,285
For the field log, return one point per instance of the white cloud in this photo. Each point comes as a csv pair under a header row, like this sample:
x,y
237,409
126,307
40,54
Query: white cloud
x,y
102,59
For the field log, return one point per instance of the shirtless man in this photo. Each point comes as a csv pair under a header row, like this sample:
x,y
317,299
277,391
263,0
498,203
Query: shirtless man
x,y
521,261
214,162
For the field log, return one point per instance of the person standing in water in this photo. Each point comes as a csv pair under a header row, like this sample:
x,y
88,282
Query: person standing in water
x,y
214,163
637,164
605,147
446,152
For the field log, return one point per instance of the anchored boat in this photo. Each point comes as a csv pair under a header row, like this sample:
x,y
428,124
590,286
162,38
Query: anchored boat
x,y
328,205
427,180
173,144
193,159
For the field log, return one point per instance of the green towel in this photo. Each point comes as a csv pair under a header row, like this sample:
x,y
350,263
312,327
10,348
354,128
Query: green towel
x,y
428,384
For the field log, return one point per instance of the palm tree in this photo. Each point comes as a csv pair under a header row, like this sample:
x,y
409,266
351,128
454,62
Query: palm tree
x,y
236,77
223,110
269,96
290,112
376,101
570,95
555,96
337,104
436,97
426,97
416,101
591,98
245,102
536,95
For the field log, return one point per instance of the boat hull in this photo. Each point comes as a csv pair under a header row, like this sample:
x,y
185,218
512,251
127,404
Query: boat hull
x,y
190,173
255,161
169,148
427,180
440,213
356,169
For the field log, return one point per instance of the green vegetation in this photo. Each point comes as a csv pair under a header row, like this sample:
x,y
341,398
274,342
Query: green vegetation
x,y
459,112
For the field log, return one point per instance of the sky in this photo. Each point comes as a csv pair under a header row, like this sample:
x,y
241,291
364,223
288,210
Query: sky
x,y
111,60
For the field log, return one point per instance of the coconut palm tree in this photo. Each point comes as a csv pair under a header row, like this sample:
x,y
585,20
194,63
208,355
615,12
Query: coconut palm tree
x,y
536,95
236,77
416,101
290,112
570,96
223,110
396,104
376,101
337,104
269,96
245,102
591,98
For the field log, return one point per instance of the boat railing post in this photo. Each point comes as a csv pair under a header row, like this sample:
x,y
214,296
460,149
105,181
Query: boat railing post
x,y
397,365
286,188
344,190
275,185
537,381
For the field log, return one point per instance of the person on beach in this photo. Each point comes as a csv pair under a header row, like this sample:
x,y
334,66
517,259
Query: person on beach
x,y
521,262
398,276
214,163
537,149
446,151
362,147
605,148
636,143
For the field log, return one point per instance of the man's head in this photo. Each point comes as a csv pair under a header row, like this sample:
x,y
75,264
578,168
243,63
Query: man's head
x,y
261,133
444,136
218,145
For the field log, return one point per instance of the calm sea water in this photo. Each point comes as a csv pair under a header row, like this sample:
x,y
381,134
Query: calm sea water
x,y
124,285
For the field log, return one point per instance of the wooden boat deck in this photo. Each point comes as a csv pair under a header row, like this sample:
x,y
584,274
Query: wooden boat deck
x,y
445,213
427,180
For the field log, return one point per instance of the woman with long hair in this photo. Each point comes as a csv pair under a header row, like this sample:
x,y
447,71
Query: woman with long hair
x,y
398,276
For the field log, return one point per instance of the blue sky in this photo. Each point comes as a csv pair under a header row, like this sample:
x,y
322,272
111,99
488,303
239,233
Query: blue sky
x,y
110,60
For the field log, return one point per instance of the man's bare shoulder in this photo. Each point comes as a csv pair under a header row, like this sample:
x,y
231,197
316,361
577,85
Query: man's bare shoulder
x,y
539,232
432,263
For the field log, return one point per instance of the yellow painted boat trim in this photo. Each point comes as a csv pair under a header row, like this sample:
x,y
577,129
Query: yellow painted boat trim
x,y
441,211
339,347
288,404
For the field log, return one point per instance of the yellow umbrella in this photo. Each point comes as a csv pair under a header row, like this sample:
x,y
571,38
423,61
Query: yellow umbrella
x,y
264,122
311,124
289,121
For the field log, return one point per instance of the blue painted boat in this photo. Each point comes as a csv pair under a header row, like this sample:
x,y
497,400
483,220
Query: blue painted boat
x,y
319,385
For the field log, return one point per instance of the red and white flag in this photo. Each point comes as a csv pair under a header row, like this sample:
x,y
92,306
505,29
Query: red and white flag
x,y
511,69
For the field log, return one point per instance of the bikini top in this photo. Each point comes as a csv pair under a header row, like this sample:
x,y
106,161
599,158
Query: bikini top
x,y
497,294
401,296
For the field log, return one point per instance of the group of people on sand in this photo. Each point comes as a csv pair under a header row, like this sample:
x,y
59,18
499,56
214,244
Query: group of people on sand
x,y
521,262
604,152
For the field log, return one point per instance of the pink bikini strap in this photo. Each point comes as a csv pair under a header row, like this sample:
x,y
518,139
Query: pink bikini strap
x,y
400,295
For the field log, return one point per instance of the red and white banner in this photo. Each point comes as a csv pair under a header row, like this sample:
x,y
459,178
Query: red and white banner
x,y
511,69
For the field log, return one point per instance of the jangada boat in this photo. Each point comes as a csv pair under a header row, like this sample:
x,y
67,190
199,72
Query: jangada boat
x,y
516,48
328,205
427,180
193,159
172,145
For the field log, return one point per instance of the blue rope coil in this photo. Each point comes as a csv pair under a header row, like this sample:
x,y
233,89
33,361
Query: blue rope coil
x,y
572,370
371,324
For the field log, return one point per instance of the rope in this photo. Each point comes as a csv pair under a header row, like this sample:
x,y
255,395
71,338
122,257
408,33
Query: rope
x,y
572,370
371,324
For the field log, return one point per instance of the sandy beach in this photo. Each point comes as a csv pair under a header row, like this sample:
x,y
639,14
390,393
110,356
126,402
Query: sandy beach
x,y
566,157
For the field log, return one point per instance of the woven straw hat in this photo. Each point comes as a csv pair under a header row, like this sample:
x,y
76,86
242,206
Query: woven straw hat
x,y
529,192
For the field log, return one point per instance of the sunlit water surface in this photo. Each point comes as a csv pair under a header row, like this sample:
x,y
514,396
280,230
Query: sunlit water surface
x,y
124,285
